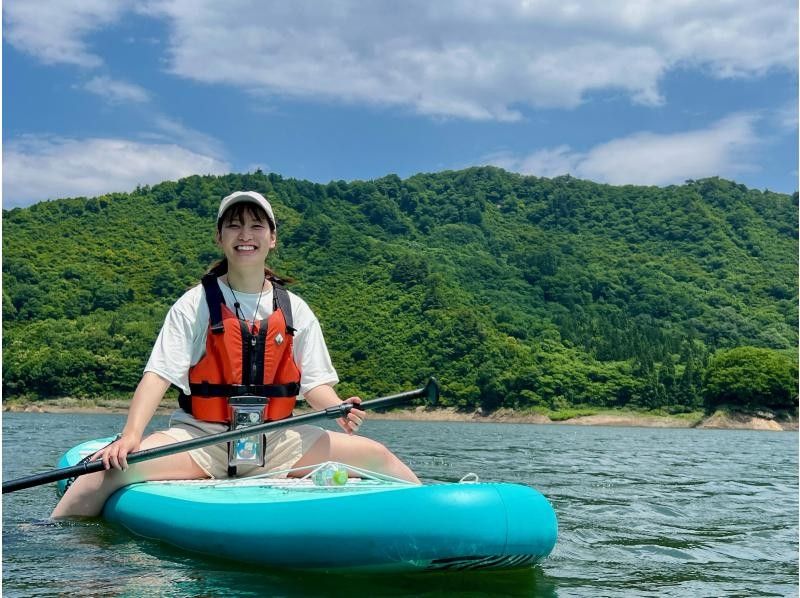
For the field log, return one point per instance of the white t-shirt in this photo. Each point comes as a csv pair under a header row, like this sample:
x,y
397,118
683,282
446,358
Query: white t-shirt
x,y
182,340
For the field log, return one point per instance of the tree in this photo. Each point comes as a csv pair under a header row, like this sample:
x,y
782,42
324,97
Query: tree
x,y
410,269
751,377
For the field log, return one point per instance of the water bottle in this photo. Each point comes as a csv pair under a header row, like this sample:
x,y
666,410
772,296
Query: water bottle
x,y
330,474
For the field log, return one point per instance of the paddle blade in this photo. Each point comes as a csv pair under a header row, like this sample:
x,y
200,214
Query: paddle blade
x,y
432,392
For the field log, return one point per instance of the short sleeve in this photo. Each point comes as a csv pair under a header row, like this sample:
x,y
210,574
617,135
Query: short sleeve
x,y
310,351
181,341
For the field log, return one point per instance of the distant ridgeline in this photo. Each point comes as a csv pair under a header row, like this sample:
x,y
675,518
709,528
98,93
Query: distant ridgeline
x,y
517,292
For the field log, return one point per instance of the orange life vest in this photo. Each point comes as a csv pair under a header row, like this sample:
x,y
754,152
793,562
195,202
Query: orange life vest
x,y
244,358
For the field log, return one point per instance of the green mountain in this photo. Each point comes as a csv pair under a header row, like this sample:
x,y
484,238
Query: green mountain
x,y
515,291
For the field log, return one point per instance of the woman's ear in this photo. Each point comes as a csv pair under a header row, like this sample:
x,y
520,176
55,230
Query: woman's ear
x,y
273,241
218,239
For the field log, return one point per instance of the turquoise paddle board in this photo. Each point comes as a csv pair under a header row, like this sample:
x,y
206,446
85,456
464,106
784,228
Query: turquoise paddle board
x,y
369,523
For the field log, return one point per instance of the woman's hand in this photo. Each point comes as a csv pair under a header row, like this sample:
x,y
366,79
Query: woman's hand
x,y
323,396
355,419
116,454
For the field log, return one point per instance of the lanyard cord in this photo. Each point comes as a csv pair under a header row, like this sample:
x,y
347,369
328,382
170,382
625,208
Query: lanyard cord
x,y
237,305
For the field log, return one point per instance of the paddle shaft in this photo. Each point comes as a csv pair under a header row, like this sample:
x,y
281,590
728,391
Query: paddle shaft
x,y
431,390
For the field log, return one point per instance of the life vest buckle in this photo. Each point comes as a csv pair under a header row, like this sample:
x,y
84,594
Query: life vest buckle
x,y
246,411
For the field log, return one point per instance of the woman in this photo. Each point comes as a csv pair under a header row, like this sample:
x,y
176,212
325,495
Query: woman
x,y
239,332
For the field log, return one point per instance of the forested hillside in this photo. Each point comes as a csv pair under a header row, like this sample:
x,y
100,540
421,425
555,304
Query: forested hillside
x,y
515,291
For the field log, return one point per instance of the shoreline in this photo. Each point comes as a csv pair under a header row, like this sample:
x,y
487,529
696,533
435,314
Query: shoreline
x,y
720,420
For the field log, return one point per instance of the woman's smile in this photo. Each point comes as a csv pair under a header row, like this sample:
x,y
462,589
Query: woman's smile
x,y
246,237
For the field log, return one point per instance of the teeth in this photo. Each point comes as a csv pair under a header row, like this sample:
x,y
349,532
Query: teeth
x,y
245,247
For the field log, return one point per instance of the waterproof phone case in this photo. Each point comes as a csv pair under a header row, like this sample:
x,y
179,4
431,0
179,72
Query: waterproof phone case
x,y
247,450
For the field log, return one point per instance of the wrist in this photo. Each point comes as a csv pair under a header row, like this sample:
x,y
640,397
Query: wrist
x,y
129,433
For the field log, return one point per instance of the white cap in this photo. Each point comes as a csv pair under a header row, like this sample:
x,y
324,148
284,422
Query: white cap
x,y
248,196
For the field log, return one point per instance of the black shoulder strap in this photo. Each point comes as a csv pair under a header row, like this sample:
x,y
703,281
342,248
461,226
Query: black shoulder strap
x,y
215,300
281,300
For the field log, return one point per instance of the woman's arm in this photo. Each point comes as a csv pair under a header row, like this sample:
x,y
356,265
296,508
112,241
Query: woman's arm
x,y
145,401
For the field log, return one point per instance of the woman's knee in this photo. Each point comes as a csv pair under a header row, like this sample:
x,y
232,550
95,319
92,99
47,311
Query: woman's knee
x,y
380,452
362,451
336,446
92,482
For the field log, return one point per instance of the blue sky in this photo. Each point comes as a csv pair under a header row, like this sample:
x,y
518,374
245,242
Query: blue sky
x,y
99,96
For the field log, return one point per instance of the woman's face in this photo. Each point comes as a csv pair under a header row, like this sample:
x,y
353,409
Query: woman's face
x,y
245,237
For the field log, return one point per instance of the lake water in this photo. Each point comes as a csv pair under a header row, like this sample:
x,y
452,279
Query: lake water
x,y
642,512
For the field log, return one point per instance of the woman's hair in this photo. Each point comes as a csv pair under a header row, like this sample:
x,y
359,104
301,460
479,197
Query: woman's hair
x,y
236,212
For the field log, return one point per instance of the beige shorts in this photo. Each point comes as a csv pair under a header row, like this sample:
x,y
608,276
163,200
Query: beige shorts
x,y
284,446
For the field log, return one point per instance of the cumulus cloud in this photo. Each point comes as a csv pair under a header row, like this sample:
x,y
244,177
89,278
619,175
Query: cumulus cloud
x,y
115,91
53,30
456,58
452,58
647,158
38,168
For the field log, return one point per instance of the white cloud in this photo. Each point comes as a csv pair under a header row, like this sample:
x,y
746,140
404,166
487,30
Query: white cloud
x,y
647,158
550,162
466,59
452,58
173,131
53,30
38,168
116,91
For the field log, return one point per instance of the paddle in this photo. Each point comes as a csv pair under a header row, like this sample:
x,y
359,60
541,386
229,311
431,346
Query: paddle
x,y
430,390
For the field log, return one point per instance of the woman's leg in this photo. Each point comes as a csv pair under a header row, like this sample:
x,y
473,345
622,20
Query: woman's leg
x,y
357,451
87,495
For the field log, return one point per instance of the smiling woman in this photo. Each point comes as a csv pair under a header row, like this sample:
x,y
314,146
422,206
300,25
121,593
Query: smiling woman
x,y
240,348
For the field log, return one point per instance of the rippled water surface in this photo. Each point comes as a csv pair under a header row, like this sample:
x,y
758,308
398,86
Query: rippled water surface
x,y
642,512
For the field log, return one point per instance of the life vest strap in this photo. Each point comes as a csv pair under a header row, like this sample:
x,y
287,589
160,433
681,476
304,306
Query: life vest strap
x,y
282,301
215,301
206,389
